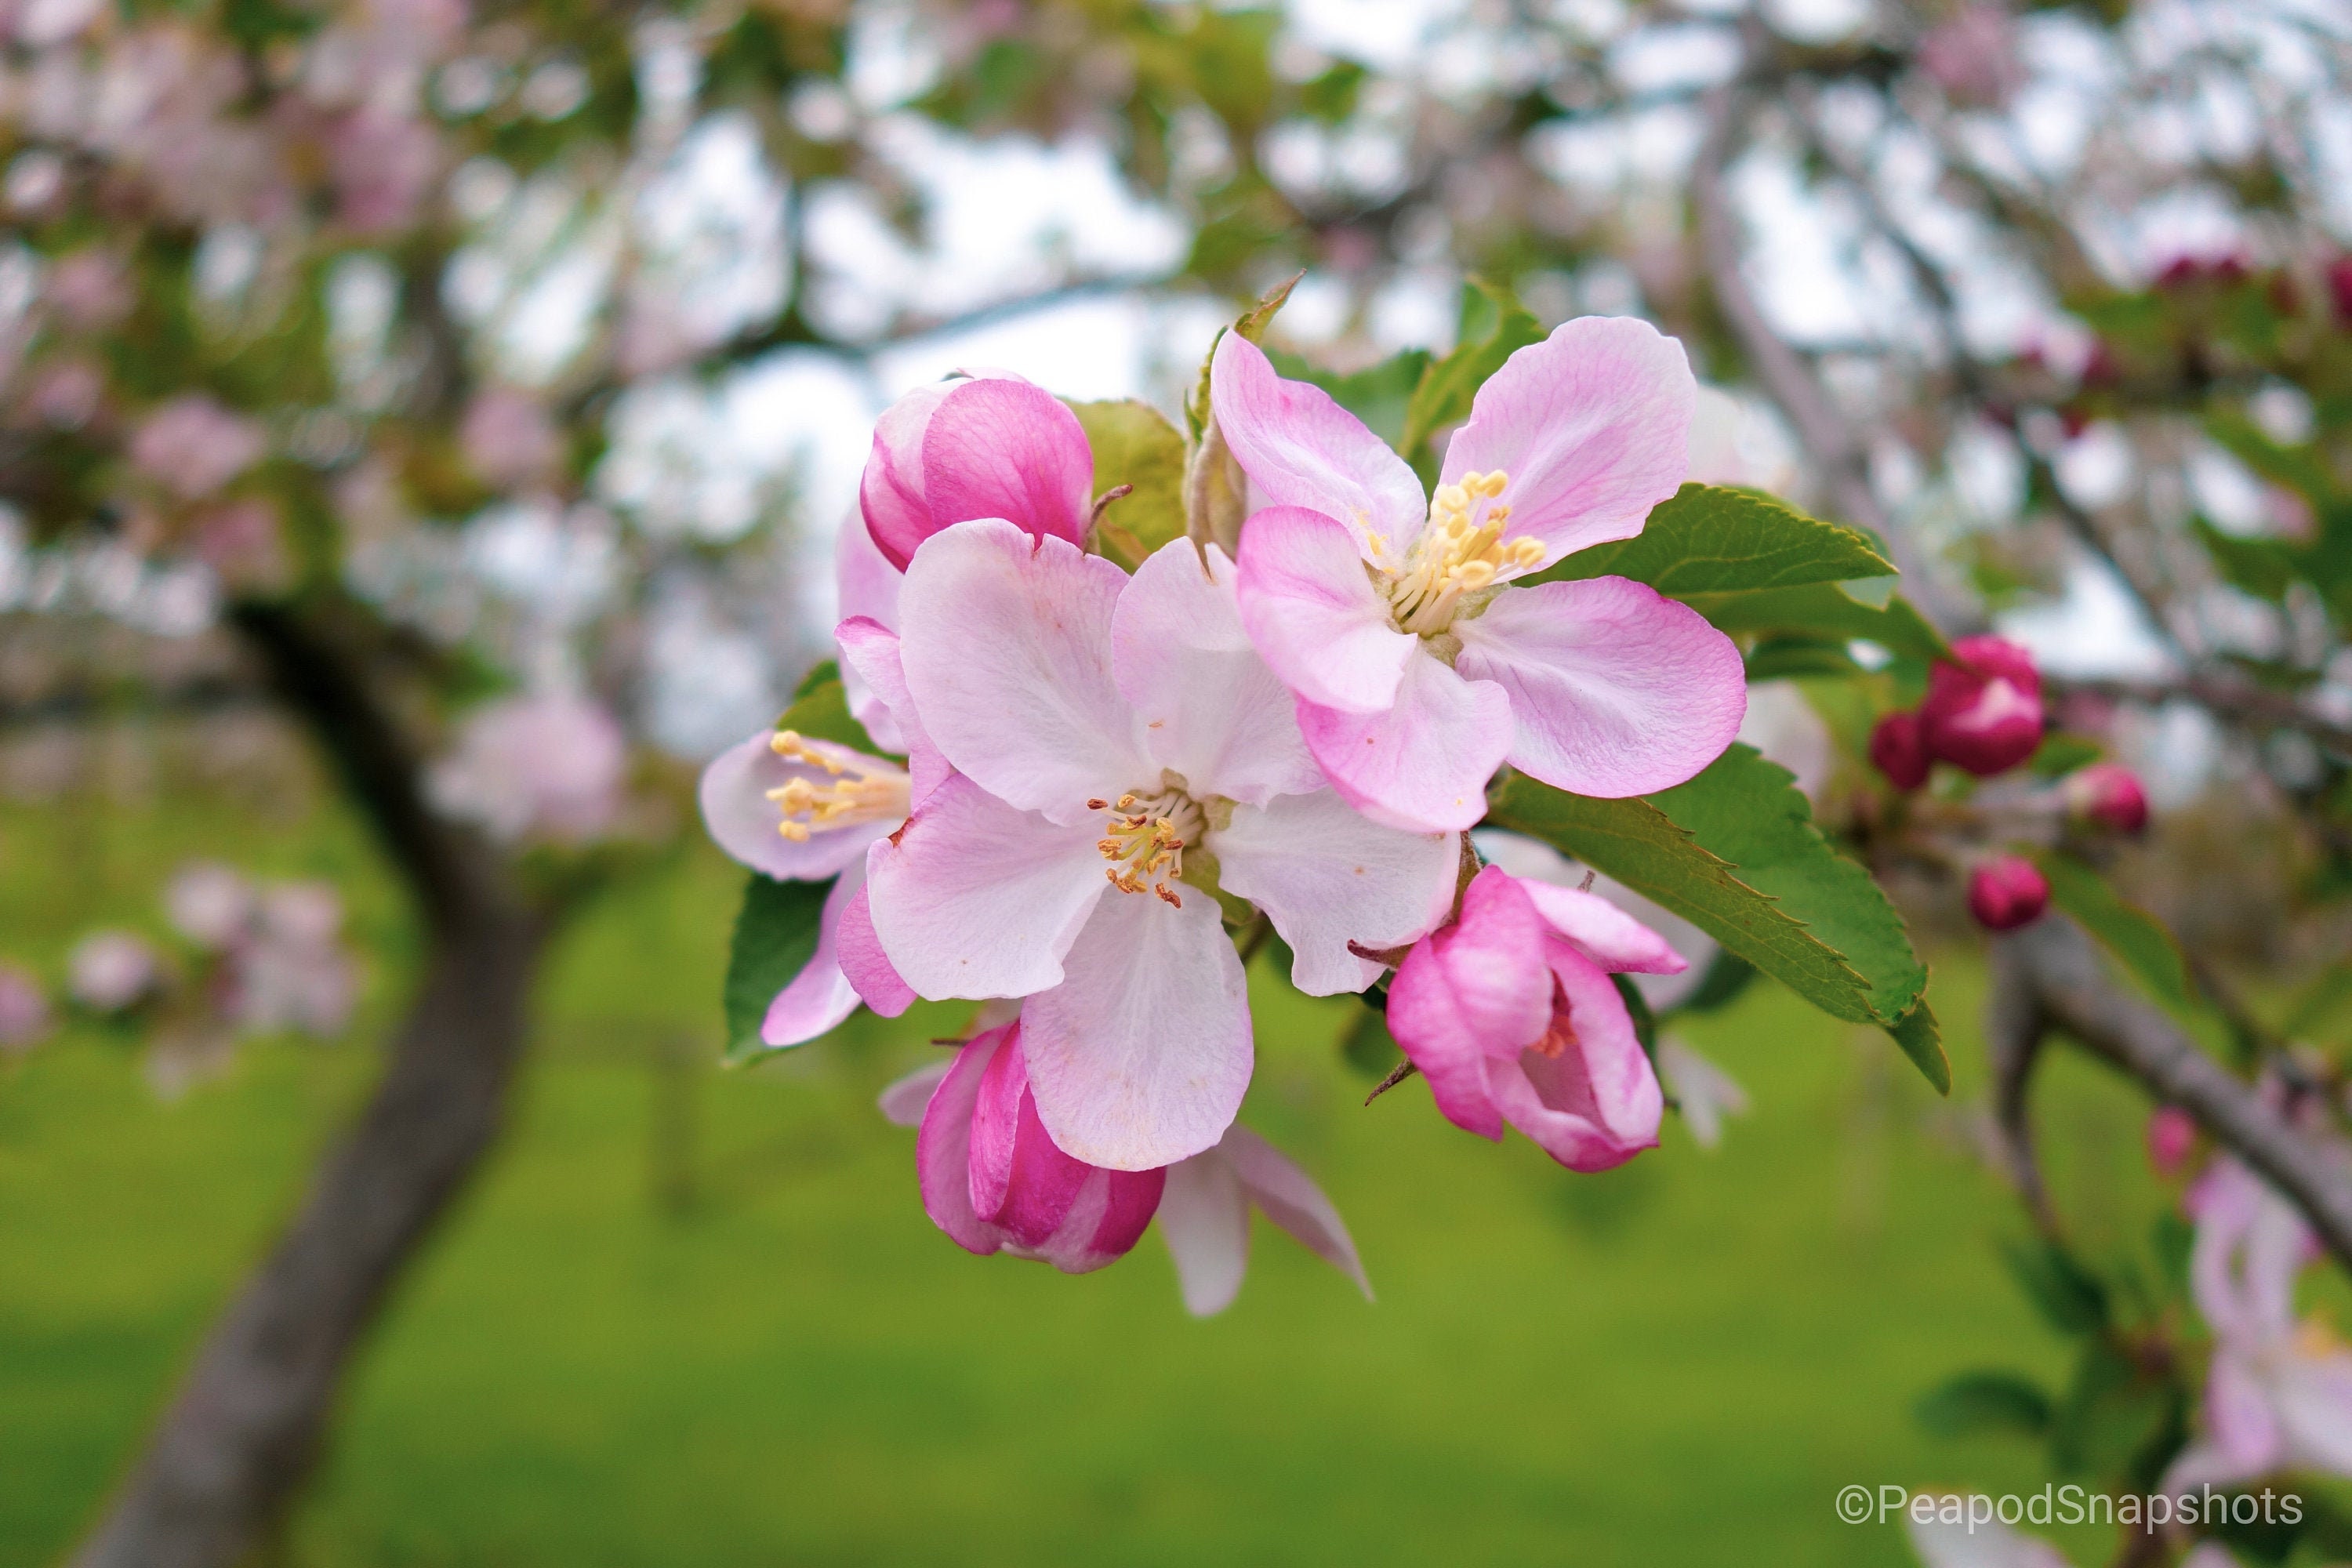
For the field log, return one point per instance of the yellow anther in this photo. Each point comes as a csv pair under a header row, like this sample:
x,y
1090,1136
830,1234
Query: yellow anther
x,y
1453,498
789,746
862,791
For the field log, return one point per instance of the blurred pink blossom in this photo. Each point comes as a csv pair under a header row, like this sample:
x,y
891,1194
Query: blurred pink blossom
x,y
547,764
384,165
1973,55
25,1018
89,290
193,446
110,971
209,903
290,971
509,439
242,543
2171,1139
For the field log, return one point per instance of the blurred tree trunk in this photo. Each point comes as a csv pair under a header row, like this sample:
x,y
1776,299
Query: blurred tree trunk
x,y
222,1467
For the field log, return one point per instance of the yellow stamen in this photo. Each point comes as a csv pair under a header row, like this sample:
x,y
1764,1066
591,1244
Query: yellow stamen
x,y
1461,552
861,792
1145,847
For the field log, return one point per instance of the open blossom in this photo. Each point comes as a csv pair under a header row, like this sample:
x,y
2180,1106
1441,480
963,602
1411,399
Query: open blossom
x,y
1112,738
192,445
1510,1014
976,1112
1417,668
803,810
545,764
2279,1393
110,971
1982,714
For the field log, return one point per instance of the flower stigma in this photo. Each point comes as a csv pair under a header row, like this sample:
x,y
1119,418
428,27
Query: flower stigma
x,y
859,793
1458,557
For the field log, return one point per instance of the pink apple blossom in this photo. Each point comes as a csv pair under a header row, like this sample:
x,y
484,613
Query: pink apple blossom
x,y
1418,669
288,970
804,810
192,445
2279,1393
25,1018
1110,739
210,904
993,444
509,438
113,971
547,764
1510,1014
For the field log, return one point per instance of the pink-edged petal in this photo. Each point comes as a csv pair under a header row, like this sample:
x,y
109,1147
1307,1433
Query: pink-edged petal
x,y
820,997
1141,1055
2238,1413
1312,614
1326,876
1020,1181
1474,991
1106,1220
866,586
746,824
1204,1219
1007,654
870,650
904,1100
1614,689
1595,1103
1423,764
1603,933
1301,449
943,1149
974,898
1292,1200
864,964
1210,708
1592,427
1002,448
890,492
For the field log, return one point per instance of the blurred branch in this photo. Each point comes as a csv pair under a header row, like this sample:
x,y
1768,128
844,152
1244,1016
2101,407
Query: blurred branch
x,y
2231,701
2015,1028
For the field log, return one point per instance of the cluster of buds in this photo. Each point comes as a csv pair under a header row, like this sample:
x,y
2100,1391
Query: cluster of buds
x,y
1982,714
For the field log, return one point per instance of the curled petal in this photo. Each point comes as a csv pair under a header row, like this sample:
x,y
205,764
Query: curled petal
x,y
1474,991
1300,448
820,997
1614,689
1020,1181
1603,933
1327,876
1423,764
1592,427
1593,1102
943,1150
1312,614
1003,448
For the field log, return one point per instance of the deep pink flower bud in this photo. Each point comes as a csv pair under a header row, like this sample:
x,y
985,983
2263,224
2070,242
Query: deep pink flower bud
x,y
994,1181
994,446
1983,713
2171,1137
1897,750
2109,795
2008,891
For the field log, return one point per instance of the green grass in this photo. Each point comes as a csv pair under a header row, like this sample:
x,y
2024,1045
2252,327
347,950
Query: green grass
x,y
695,1317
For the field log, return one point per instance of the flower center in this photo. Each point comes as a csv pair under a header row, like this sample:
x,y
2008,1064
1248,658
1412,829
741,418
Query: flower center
x,y
859,794
1458,557
1145,840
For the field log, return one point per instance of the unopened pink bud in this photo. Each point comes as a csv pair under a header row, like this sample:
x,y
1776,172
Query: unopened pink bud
x,y
1897,750
2171,1138
2008,891
2109,795
1984,712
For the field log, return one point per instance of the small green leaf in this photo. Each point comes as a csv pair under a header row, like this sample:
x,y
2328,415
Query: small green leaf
x,y
2129,932
1778,658
2263,567
820,710
1495,326
1134,444
2060,754
1642,846
1919,1037
775,936
2067,1294
1708,539
1980,1402
1377,395
1252,324
1819,610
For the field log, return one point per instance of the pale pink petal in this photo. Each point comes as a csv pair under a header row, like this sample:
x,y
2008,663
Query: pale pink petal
x,y
904,1100
1326,876
1592,427
974,898
1603,933
1140,1056
1204,1219
943,1150
1314,615
2238,1413
1020,1181
1944,1543
1616,690
870,650
1292,1200
1210,708
890,492
1006,448
2203,1464
1007,654
2313,1398
747,824
1474,991
1596,1103
866,587
1301,449
820,997
1423,764
862,963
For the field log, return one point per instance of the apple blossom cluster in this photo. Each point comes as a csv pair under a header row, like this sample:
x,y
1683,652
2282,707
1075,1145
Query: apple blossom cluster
x,y
1091,793
1982,713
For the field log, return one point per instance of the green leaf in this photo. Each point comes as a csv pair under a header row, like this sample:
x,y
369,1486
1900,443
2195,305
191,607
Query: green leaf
x,y
1252,324
1495,326
1819,610
1134,444
2069,1296
2062,753
1642,846
775,936
1365,1043
820,710
1377,395
2129,932
1708,539
2263,567
1748,811
1980,1402
1776,658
